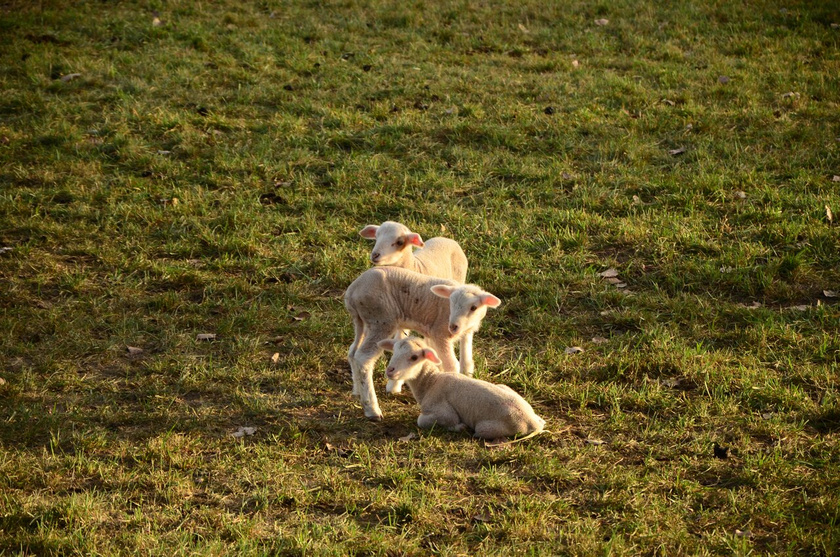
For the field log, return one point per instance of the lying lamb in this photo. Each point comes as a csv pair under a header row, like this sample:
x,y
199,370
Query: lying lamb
x,y
440,257
385,300
457,402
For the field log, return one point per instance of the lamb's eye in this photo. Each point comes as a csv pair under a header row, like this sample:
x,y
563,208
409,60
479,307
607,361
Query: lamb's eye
x,y
473,308
414,358
399,242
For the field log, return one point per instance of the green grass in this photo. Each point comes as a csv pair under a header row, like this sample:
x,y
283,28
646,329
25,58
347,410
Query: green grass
x,y
209,174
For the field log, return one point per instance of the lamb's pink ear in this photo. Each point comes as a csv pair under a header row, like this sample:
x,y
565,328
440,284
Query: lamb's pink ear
x,y
431,355
387,344
490,300
369,232
442,290
414,239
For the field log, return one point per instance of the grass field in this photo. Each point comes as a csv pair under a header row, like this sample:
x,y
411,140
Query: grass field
x,y
171,169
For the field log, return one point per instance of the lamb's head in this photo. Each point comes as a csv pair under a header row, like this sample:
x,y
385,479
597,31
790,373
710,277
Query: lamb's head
x,y
392,239
409,355
467,306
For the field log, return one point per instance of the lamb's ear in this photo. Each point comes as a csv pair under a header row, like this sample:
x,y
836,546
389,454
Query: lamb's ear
x,y
414,239
387,344
431,355
369,232
490,300
442,290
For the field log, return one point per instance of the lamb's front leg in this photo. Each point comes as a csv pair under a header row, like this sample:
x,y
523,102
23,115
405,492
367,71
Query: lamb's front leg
x,y
446,352
467,363
442,415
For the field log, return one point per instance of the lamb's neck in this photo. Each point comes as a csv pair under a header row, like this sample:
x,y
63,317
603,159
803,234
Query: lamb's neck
x,y
424,380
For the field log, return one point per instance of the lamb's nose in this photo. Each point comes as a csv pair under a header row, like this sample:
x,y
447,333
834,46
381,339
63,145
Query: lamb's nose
x,y
389,372
374,257
453,328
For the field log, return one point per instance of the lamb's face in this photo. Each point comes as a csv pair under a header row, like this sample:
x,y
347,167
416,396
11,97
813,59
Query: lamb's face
x,y
467,307
392,239
408,358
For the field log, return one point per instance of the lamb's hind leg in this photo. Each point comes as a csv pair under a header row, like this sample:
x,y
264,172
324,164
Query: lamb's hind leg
x,y
493,429
365,359
359,331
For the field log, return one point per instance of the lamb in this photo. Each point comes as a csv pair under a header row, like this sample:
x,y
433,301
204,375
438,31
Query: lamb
x,y
385,300
455,401
440,257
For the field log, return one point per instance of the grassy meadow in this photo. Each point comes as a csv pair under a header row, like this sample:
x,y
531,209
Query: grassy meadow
x,y
170,169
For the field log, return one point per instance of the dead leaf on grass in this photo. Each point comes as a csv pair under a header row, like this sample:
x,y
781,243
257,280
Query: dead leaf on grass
x,y
275,358
828,214
724,79
573,350
133,350
70,77
599,340
156,22
835,178
601,22
726,269
575,63
677,151
408,437
754,305
609,273
205,336
339,451
302,316
669,102
523,28
830,293
801,307
740,194
594,442
613,280
481,518
5,249
742,533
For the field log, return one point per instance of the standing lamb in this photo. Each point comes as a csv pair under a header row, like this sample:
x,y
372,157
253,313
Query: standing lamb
x,y
457,402
440,257
384,300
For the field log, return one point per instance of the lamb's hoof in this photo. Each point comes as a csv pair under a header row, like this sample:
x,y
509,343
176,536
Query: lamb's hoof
x,y
375,418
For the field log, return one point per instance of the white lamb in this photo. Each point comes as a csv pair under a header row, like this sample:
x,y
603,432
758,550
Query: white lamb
x,y
455,401
385,300
440,257
394,247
